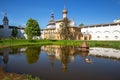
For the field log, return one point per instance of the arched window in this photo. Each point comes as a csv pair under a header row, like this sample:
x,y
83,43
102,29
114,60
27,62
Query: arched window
x,y
116,37
98,37
106,37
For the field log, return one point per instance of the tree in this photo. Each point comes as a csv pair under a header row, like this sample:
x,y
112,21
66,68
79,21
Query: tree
x,y
65,33
81,25
32,28
32,54
14,32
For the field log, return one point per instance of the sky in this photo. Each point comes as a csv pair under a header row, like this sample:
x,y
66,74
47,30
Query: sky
x,y
87,12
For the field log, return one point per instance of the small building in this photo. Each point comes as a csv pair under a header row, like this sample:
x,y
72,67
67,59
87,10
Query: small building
x,y
6,29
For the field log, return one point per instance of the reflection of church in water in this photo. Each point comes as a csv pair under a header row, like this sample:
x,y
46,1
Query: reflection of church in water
x,y
4,54
66,55
63,54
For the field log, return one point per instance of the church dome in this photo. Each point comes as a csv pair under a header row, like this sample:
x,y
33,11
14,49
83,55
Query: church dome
x,y
51,23
64,11
116,20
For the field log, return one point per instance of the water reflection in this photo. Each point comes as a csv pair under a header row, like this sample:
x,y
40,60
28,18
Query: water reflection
x,y
64,54
5,54
105,53
32,54
56,53
62,62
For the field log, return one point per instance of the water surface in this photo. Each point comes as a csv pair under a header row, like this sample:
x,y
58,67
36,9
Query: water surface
x,y
62,63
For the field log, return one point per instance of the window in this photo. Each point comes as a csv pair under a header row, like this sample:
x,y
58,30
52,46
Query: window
x,y
106,36
116,37
98,37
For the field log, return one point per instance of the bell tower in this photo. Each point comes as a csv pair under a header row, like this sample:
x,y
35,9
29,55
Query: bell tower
x,y
6,30
5,20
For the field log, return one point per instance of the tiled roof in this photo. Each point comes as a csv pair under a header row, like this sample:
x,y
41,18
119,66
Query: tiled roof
x,y
49,29
98,25
5,18
12,26
16,27
1,26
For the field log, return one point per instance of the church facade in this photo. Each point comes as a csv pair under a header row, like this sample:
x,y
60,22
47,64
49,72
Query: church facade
x,y
6,29
54,29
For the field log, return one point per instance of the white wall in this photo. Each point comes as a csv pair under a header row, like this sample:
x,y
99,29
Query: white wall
x,y
6,31
103,32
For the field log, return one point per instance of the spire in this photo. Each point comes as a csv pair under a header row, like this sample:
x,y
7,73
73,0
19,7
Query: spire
x,y
5,14
64,12
52,16
64,4
5,19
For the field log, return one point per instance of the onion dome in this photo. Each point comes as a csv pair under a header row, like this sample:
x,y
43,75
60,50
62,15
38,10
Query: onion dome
x,y
51,22
64,11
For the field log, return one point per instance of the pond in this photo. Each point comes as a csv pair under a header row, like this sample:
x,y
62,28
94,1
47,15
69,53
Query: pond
x,y
52,62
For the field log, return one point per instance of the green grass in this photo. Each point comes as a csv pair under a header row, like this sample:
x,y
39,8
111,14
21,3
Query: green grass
x,y
14,42
29,77
108,44
23,77
6,78
24,42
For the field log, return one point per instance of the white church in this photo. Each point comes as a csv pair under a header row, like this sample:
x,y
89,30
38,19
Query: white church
x,y
6,29
108,31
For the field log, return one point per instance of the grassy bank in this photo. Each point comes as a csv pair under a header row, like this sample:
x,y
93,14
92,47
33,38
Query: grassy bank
x,y
14,76
22,42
